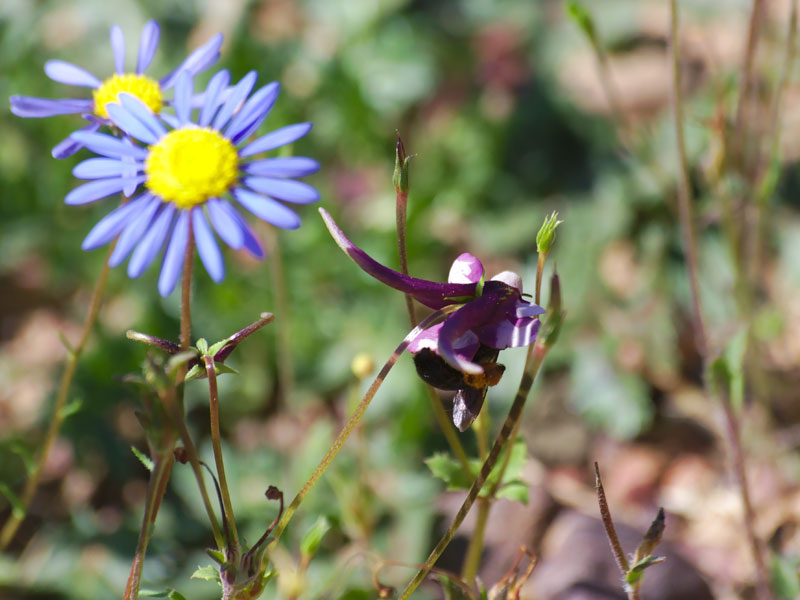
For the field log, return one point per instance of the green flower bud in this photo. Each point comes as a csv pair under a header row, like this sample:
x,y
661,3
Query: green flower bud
x,y
547,233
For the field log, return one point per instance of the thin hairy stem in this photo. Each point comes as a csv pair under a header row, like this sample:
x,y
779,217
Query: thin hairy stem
x,y
156,487
746,83
536,355
472,558
186,296
355,418
216,437
685,215
15,520
608,524
400,213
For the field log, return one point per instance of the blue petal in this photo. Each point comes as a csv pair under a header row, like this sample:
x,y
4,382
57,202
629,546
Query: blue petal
x,y
133,232
183,97
276,139
109,226
101,168
90,192
148,44
287,190
251,241
70,146
197,61
291,166
118,48
207,246
225,223
267,209
152,242
237,94
65,72
126,121
254,111
30,107
211,96
137,108
108,145
174,257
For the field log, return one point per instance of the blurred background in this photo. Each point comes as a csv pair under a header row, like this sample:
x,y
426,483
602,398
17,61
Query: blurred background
x,y
502,104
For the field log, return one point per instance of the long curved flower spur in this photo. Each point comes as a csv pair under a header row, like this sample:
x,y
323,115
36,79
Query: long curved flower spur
x,y
147,90
460,353
191,170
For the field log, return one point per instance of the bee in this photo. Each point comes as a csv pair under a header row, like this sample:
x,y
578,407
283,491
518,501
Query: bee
x,y
470,389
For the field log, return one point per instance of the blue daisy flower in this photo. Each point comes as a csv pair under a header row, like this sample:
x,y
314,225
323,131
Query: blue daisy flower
x,y
195,176
149,91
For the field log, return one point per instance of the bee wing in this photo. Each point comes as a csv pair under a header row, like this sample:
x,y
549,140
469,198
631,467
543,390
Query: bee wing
x,y
466,406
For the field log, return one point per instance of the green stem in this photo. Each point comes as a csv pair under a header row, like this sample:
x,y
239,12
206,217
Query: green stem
x,y
354,419
15,520
536,355
472,560
284,333
156,487
213,397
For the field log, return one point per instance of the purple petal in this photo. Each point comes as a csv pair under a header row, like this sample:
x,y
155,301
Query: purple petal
x,y
70,146
107,145
267,209
254,111
133,232
174,257
226,224
138,109
110,226
236,96
118,48
431,294
211,98
276,139
251,242
101,168
183,97
198,61
283,189
528,309
30,107
207,246
291,166
466,269
427,339
90,192
152,242
509,278
65,72
488,310
148,44
509,333
126,121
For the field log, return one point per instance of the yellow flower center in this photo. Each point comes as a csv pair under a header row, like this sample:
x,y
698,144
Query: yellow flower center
x,y
145,89
190,165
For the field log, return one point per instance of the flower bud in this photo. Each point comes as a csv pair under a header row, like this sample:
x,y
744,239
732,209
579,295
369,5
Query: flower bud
x,y
547,234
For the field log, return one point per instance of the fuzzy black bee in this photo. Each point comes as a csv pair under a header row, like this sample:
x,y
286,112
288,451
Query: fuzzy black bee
x,y
470,389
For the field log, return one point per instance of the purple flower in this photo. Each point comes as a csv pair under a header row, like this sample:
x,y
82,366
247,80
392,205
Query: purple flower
x,y
149,91
194,173
493,313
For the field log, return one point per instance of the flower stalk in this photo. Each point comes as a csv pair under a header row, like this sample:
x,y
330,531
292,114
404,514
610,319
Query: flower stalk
x,y
74,354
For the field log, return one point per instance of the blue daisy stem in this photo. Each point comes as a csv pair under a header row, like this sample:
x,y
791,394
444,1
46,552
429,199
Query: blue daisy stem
x,y
536,354
15,520
354,419
401,186
213,403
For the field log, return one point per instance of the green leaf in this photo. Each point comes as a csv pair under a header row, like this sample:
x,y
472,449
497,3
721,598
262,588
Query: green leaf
x,y
143,458
221,368
175,595
71,408
449,470
582,18
216,347
311,540
207,573
195,372
17,508
25,455
66,342
785,577
216,555
634,574
726,372
202,346
168,593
